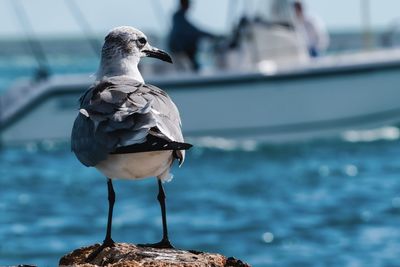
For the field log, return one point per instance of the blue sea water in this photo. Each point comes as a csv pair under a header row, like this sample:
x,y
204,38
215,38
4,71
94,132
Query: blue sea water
x,y
311,204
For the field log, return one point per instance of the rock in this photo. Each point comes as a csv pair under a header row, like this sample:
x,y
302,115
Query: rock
x,y
127,255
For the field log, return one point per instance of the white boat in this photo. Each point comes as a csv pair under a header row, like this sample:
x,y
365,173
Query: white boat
x,y
281,95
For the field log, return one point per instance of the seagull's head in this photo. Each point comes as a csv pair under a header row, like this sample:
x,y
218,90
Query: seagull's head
x,y
127,41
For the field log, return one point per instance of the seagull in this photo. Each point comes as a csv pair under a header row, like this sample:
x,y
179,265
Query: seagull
x,y
125,128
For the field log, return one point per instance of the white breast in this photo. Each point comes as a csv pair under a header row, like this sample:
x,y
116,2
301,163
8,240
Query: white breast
x,y
137,165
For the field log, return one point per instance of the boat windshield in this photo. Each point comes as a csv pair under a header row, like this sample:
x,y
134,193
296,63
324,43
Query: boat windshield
x,y
274,12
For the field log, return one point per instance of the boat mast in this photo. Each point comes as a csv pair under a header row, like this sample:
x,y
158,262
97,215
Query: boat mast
x,y
366,23
35,46
231,16
159,13
85,26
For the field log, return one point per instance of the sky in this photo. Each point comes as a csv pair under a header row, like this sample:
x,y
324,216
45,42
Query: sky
x,y
53,18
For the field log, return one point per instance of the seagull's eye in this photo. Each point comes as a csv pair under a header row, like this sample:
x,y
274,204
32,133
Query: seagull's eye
x,y
142,41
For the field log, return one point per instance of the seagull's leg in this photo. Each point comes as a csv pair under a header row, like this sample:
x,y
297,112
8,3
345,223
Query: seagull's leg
x,y
161,198
164,243
108,242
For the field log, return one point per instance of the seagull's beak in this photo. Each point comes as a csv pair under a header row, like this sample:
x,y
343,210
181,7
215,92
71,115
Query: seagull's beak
x,y
150,51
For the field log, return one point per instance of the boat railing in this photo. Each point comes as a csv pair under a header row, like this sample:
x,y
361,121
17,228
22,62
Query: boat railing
x,y
18,95
26,91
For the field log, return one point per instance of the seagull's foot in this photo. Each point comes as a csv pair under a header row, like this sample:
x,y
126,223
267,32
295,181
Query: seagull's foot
x,y
163,244
106,244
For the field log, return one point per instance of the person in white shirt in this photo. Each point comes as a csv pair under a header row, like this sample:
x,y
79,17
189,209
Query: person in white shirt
x,y
312,29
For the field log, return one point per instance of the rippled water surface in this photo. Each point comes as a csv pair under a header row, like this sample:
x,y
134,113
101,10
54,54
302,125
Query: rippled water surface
x,y
314,204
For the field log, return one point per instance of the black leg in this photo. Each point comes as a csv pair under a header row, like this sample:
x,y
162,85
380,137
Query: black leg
x,y
164,243
111,200
161,199
108,242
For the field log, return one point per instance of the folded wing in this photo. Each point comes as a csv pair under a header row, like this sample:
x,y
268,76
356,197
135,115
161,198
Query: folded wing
x,y
119,113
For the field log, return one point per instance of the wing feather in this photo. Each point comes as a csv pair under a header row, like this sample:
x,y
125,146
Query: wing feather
x,y
119,112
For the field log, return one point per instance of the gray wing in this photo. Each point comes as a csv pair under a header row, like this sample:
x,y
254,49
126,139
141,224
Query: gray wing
x,y
166,114
118,112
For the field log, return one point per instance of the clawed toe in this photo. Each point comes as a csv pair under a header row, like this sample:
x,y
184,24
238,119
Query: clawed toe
x,y
93,255
164,244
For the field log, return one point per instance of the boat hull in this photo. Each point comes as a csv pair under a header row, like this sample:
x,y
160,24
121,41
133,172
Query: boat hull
x,y
277,108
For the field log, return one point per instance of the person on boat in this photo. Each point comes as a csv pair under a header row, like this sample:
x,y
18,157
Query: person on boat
x,y
184,37
312,30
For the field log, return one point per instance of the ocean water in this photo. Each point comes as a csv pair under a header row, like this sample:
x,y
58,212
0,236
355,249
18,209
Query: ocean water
x,y
333,203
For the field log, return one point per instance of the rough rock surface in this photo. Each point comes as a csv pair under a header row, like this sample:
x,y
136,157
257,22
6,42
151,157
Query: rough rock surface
x,y
127,255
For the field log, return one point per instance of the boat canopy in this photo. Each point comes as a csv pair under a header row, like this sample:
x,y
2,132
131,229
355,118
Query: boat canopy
x,y
275,11
268,11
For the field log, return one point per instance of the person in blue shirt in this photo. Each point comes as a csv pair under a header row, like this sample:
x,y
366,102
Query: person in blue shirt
x,y
184,36
312,29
